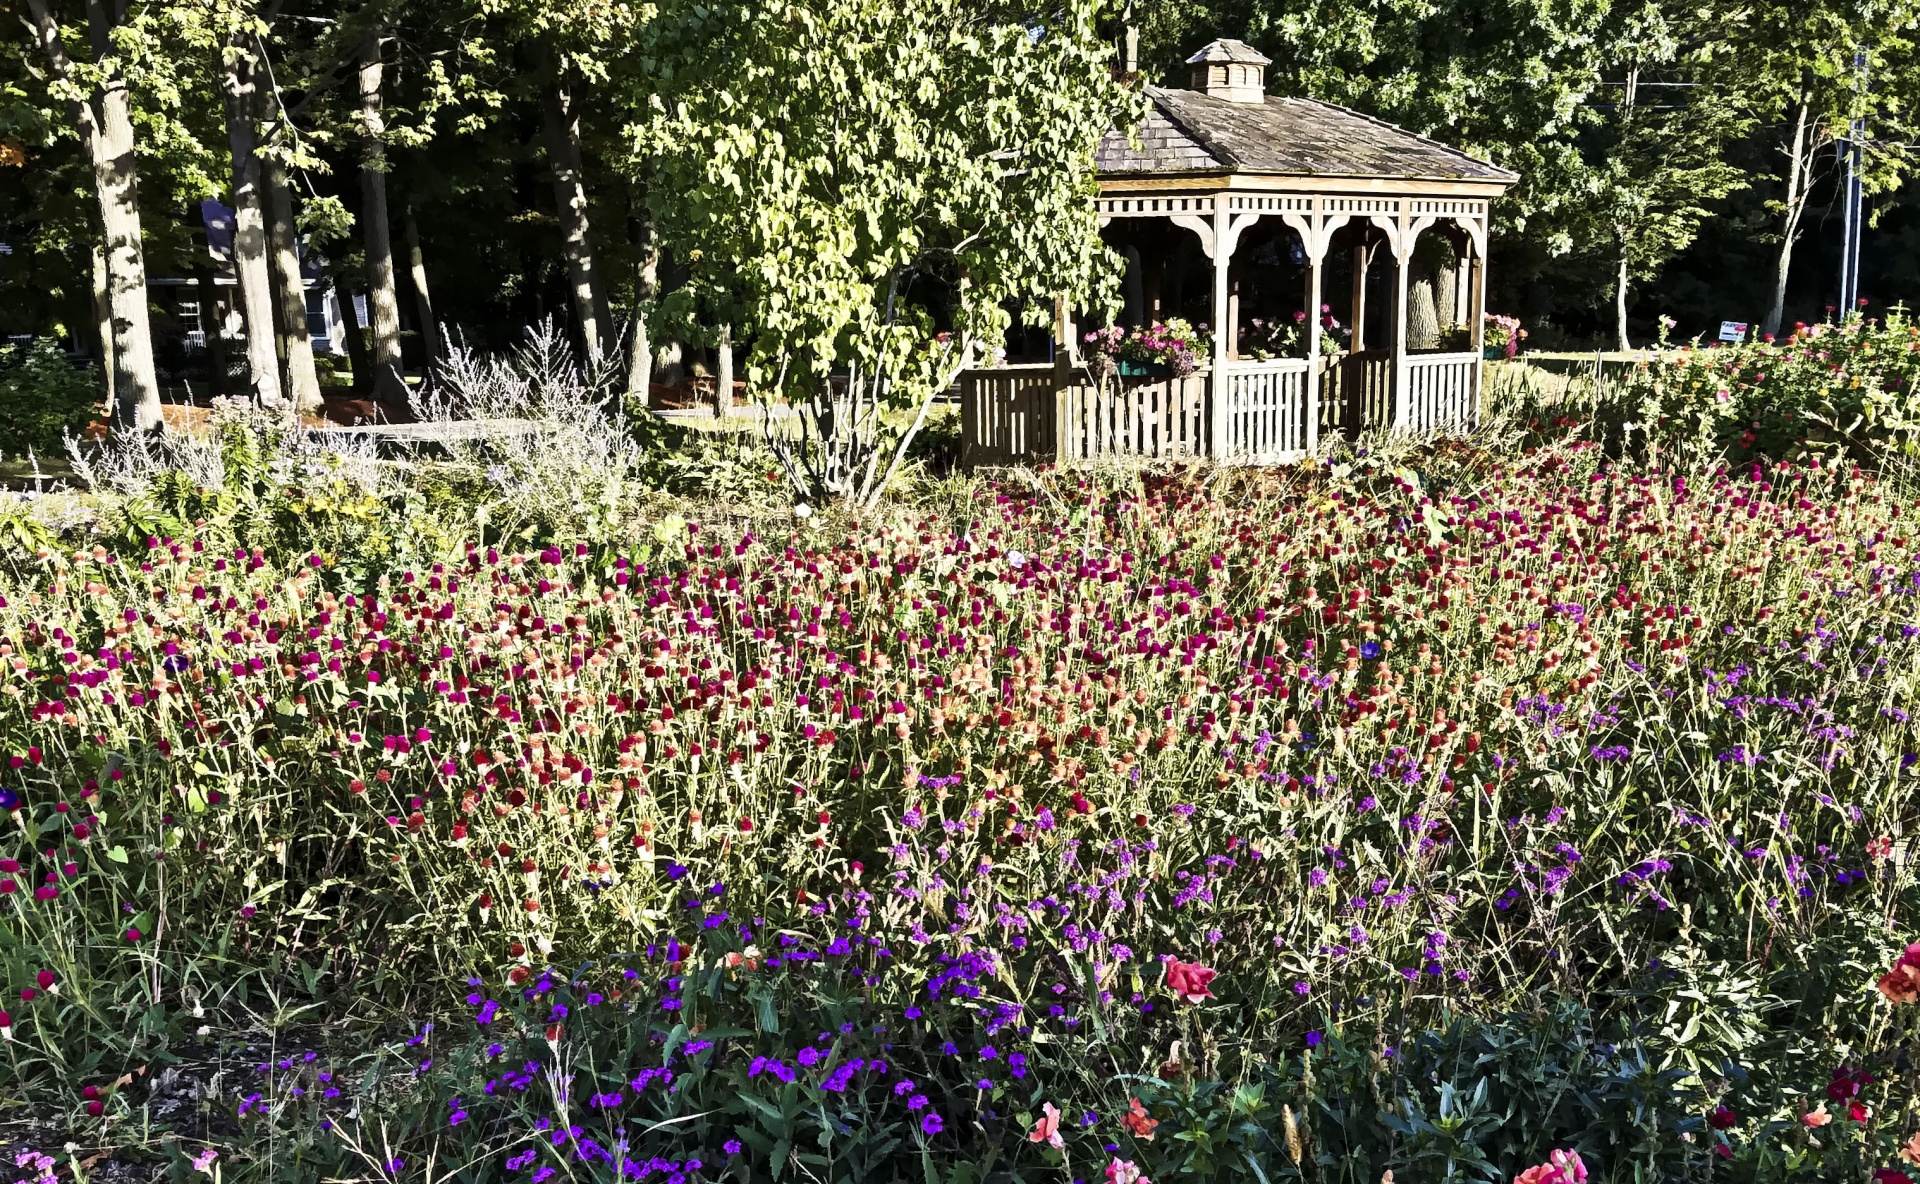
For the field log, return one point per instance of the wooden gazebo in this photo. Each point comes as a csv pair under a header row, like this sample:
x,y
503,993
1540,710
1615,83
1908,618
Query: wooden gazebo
x,y
1323,189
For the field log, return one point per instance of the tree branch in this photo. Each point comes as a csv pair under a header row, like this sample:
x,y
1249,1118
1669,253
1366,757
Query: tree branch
x,y
48,31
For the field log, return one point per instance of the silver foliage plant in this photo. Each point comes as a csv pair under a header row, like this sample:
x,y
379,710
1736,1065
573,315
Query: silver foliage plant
x,y
128,464
556,445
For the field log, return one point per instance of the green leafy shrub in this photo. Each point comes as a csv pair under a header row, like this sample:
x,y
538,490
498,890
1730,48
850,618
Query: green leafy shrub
x,y
43,397
1851,388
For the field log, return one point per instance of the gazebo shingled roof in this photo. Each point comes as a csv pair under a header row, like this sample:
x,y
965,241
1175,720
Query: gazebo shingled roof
x,y
1188,131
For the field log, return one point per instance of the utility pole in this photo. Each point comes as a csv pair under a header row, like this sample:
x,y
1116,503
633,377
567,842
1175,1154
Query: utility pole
x,y
1850,204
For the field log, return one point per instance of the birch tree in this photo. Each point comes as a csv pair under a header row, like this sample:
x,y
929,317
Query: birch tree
x,y
1805,70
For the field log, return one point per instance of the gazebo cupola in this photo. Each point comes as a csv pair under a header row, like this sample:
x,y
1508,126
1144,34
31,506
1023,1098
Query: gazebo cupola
x,y
1231,70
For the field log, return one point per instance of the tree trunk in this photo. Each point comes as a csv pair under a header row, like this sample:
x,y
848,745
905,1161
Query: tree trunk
x,y
250,266
1793,206
646,279
570,200
212,320
383,305
1620,299
723,378
422,299
103,317
302,381
358,355
108,136
1423,315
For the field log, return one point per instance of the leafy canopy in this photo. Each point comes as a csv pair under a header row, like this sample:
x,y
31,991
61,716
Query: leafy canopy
x,y
866,183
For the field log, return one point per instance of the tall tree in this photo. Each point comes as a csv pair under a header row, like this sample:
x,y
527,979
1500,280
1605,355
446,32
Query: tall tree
x,y
861,190
422,296
1806,70
561,116
376,235
300,382
1654,154
101,111
251,269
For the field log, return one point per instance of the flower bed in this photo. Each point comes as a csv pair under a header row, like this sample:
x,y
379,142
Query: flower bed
x,y
1845,388
1189,829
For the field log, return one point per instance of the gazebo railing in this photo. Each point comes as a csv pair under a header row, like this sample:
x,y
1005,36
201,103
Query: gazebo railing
x,y
1134,417
1359,393
1442,391
1266,415
1014,414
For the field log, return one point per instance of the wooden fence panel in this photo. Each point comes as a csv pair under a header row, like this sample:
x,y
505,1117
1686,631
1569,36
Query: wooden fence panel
x,y
1006,415
1442,392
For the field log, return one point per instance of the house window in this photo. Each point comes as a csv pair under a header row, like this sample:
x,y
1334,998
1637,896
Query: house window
x,y
317,321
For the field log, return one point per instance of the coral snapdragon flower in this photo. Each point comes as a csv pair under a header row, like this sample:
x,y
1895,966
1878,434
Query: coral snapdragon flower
x,y
1140,1124
1047,1129
1562,1167
1902,983
1189,980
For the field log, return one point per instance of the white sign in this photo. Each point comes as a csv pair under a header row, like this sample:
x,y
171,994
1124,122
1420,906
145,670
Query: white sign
x,y
1733,330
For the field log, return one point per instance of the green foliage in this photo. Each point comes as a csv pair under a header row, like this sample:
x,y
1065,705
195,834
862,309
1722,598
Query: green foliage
x,y
1850,390
43,398
1487,868
872,186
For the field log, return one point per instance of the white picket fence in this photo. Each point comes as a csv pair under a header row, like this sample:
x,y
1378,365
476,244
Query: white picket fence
x,y
1273,412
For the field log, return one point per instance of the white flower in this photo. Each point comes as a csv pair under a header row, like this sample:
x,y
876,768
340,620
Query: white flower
x,y
803,510
1016,559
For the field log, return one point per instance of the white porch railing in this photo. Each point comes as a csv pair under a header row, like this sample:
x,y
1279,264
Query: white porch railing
x,y
1134,417
1015,414
1442,392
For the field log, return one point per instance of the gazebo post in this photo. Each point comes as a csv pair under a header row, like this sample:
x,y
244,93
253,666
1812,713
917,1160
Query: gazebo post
x,y
1477,332
1222,331
1402,252
1360,254
1316,251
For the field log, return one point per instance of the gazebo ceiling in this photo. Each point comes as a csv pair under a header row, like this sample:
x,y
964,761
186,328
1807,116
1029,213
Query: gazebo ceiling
x,y
1190,132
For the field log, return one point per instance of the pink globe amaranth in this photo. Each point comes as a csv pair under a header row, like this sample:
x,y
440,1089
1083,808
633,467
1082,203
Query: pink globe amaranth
x,y
46,979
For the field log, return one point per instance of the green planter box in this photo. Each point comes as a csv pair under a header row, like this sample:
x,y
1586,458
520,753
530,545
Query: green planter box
x,y
1130,369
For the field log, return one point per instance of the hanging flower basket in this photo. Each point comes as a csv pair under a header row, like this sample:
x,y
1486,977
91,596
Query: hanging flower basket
x,y
1170,349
